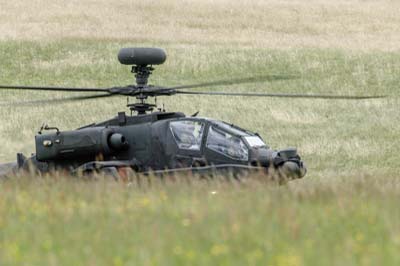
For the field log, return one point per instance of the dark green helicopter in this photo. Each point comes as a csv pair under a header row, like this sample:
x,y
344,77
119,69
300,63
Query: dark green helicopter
x,y
157,142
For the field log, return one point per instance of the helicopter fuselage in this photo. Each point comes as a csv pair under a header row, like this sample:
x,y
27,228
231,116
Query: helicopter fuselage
x,y
159,142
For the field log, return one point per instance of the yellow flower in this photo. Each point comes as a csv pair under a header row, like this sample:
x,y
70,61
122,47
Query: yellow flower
x,y
190,255
288,260
359,237
117,261
144,202
178,250
219,249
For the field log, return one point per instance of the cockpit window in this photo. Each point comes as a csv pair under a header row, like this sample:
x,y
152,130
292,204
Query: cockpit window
x,y
227,144
187,133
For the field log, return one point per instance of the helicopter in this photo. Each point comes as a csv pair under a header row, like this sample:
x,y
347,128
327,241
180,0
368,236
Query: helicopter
x,y
151,140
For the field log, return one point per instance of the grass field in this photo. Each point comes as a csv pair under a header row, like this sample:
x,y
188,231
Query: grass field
x,y
344,212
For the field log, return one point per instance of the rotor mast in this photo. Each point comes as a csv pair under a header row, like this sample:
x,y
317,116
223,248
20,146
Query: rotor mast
x,y
141,60
142,73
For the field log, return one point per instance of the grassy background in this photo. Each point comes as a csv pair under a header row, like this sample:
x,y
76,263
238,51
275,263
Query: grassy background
x,y
345,212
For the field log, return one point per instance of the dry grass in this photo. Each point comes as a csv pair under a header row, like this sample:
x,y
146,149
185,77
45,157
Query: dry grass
x,y
354,24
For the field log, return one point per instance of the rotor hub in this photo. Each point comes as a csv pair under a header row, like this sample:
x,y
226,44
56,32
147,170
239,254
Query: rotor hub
x,y
141,108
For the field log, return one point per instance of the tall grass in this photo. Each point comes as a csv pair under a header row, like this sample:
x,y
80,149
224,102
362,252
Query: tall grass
x,y
63,222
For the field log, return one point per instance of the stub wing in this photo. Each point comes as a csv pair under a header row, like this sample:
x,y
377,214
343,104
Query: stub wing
x,y
7,169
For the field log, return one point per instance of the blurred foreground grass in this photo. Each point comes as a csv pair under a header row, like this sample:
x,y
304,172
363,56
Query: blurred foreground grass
x,y
57,221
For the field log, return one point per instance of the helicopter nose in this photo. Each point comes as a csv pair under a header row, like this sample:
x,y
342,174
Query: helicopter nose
x,y
287,163
293,169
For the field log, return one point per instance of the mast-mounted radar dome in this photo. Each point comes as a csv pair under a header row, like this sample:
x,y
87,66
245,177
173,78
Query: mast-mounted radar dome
x,y
141,56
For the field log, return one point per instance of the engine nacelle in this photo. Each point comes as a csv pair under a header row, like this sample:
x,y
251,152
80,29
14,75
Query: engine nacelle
x,y
83,143
117,142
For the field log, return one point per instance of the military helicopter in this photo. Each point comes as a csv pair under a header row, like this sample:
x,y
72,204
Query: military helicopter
x,y
156,141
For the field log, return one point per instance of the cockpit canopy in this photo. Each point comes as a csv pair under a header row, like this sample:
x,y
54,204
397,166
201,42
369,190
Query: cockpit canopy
x,y
220,137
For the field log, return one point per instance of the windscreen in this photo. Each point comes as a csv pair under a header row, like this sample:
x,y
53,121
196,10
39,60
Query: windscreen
x,y
227,144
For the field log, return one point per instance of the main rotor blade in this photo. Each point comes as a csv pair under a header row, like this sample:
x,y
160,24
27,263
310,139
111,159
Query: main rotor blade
x,y
61,100
282,95
40,88
254,79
